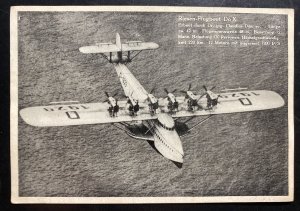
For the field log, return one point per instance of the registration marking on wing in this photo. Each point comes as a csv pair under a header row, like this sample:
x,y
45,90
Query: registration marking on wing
x,y
80,114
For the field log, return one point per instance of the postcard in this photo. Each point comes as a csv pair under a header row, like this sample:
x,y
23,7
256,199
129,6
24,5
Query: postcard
x,y
155,104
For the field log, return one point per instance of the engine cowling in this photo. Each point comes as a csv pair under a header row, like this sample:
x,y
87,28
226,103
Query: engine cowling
x,y
132,106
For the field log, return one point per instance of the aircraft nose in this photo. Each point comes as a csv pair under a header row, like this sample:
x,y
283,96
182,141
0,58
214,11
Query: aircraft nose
x,y
177,144
180,150
179,159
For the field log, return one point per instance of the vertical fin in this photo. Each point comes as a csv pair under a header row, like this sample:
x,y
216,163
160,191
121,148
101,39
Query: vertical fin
x,y
118,41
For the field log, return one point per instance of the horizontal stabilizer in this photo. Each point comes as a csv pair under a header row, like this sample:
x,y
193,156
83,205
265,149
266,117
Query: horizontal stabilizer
x,y
133,41
138,46
100,48
107,48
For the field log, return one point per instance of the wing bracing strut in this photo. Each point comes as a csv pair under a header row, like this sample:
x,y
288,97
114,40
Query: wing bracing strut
x,y
199,123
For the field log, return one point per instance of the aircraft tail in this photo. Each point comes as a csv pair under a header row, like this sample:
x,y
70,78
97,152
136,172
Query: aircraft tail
x,y
118,46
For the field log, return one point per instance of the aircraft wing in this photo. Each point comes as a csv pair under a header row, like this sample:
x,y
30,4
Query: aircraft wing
x,y
138,46
97,113
233,102
100,48
80,114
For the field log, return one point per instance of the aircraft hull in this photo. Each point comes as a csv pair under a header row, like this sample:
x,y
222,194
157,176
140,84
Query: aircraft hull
x,y
166,142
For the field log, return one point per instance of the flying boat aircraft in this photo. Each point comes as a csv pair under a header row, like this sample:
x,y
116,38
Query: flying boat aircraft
x,y
142,115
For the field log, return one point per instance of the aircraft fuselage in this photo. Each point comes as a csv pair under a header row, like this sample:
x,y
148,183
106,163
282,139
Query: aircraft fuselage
x,y
166,138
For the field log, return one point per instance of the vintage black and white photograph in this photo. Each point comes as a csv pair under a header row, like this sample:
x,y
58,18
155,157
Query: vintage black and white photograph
x,y
151,104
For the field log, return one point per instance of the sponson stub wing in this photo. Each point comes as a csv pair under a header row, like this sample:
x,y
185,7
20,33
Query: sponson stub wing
x,y
80,114
233,102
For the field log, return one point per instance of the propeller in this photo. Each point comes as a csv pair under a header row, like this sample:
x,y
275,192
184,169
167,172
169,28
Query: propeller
x,y
166,91
136,107
201,97
114,107
153,101
189,89
206,90
173,104
152,90
107,95
150,95
123,95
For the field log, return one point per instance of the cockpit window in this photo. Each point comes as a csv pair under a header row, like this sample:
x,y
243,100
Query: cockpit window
x,y
166,121
167,128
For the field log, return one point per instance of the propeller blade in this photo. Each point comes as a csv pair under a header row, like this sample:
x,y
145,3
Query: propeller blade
x,y
115,94
166,91
218,99
152,90
212,88
200,97
184,92
204,87
174,90
107,95
190,86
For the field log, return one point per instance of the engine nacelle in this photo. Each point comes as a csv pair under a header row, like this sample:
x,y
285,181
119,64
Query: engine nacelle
x,y
112,101
191,95
132,106
152,99
211,95
153,104
116,59
113,107
171,97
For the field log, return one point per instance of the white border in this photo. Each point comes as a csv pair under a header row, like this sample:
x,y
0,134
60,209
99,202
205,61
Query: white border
x,y
126,200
